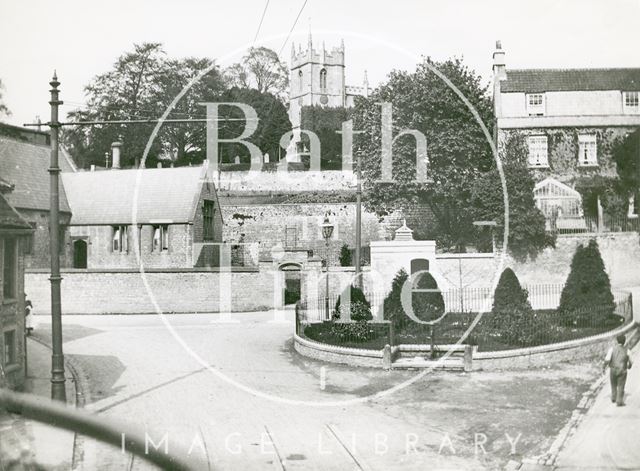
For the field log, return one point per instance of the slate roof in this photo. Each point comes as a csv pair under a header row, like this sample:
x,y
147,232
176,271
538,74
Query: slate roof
x,y
554,80
107,197
25,165
10,219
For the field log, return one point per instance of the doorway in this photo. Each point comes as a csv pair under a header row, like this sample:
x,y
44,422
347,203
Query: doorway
x,y
80,254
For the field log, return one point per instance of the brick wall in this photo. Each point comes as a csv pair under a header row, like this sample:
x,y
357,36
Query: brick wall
x,y
124,292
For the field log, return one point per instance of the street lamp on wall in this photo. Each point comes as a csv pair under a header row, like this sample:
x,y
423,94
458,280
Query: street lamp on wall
x,y
327,232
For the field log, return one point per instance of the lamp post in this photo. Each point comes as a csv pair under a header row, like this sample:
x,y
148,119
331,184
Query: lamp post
x,y
57,357
327,231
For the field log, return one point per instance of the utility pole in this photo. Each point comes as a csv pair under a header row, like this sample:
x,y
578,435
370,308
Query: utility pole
x,y
57,359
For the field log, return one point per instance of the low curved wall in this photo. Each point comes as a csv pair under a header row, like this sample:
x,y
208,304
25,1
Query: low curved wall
x,y
522,358
334,354
544,355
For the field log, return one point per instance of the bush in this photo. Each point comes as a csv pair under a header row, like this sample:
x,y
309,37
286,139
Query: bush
x,y
426,306
360,307
586,297
345,256
509,294
515,320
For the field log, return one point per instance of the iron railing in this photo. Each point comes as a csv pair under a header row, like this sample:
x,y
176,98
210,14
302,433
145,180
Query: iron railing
x,y
493,331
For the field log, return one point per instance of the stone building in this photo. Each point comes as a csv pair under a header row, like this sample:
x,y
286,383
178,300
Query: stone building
x,y
171,213
14,232
569,120
24,161
317,77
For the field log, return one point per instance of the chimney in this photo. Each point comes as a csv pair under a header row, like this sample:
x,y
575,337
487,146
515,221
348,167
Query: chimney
x,y
499,67
115,151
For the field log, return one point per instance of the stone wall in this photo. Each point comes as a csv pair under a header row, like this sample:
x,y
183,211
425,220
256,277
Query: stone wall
x,y
101,255
12,319
37,255
290,182
299,226
176,291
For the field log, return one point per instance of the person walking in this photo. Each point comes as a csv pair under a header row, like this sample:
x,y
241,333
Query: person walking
x,y
618,359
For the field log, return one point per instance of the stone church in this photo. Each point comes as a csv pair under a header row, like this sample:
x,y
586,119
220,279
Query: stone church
x,y
317,77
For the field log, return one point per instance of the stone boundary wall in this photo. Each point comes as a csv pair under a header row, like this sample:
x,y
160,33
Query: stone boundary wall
x,y
334,354
176,291
582,349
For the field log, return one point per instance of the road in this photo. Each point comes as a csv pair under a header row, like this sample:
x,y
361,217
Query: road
x,y
232,393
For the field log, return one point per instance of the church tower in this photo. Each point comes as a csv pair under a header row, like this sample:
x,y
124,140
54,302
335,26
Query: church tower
x,y
317,78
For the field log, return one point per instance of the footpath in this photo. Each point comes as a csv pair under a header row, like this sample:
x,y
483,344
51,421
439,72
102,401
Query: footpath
x,y
27,444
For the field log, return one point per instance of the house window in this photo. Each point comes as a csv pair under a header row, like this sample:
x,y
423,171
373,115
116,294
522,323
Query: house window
x,y
10,266
160,242
120,239
631,102
538,151
323,79
587,153
290,236
535,104
10,347
208,216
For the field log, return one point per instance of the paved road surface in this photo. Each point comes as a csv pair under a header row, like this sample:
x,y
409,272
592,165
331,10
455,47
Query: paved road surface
x,y
608,438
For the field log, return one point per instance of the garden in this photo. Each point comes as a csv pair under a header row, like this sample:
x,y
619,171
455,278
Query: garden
x,y
585,307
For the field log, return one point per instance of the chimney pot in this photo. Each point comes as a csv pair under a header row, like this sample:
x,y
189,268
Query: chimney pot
x,y
115,151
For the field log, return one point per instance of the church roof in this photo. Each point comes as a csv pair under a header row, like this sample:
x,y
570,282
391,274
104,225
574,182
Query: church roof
x,y
158,195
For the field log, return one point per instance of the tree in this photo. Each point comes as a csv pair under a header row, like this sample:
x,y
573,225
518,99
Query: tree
x,y
513,318
457,147
427,306
141,85
3,108
527,233
345,256
261,69
360,306
273,123
324,122
586,296
626,154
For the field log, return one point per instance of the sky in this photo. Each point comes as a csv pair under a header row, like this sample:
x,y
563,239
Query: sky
x,y
81,39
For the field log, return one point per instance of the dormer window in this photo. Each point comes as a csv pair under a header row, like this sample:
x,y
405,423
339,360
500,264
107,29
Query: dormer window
x,y
535,104
587,150
538,151
631,102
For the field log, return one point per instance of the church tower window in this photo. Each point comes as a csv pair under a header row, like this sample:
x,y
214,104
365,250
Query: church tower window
x,y
300,80
323,79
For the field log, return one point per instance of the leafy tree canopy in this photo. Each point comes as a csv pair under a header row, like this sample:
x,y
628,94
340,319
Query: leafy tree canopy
x,y
527,234
262,70
458,149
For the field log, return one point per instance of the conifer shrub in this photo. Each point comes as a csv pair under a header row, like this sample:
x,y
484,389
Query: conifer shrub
x,y
345,256
586,297
358,330
514,320
426,306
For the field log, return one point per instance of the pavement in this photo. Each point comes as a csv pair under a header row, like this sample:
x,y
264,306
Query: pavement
x,y
33,443
607,436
